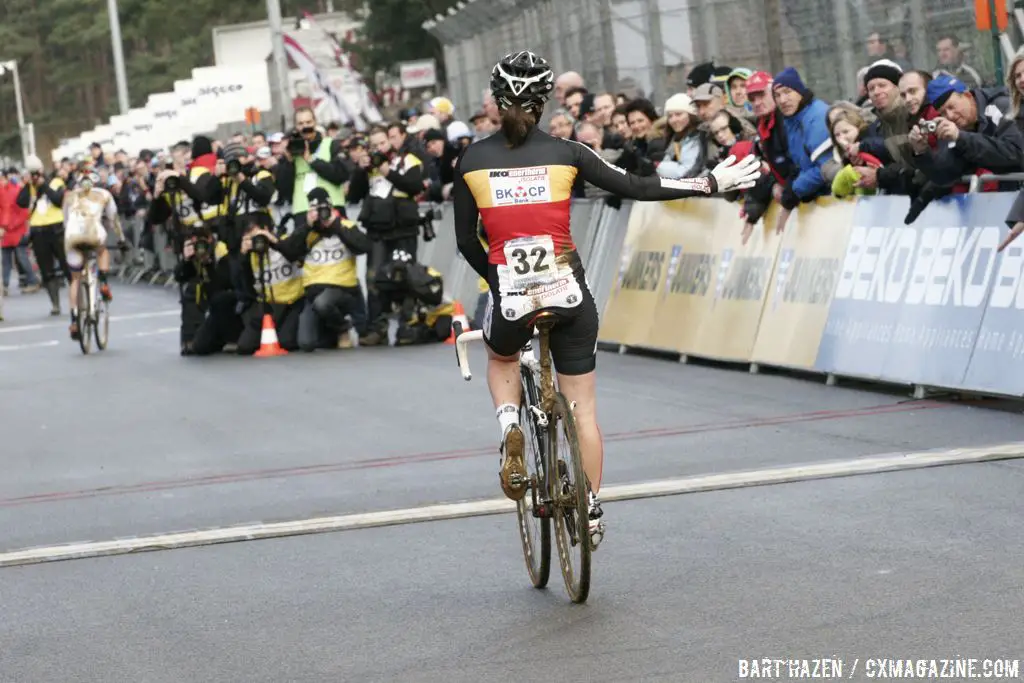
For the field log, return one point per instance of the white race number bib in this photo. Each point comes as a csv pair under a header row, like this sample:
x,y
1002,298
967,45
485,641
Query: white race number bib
x,y
532,278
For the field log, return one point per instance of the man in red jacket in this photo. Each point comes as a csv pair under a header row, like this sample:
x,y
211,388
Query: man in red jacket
x,y
14,236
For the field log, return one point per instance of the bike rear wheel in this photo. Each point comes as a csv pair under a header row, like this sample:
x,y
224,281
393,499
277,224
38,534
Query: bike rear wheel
x,y
84,315
534,530
571,509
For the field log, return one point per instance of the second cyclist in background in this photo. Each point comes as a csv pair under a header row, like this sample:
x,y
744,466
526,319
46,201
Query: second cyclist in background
x,y
86,209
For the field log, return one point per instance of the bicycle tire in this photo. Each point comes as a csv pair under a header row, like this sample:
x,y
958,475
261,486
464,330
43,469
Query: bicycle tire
x,y
84,316
102,324
536,538
572,510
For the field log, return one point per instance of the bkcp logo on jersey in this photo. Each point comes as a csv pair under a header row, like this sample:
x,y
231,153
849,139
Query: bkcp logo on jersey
x,y
520,186
782,268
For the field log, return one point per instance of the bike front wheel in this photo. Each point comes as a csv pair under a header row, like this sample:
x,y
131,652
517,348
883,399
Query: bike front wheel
x,y
534,509
101,325
571,507
84,316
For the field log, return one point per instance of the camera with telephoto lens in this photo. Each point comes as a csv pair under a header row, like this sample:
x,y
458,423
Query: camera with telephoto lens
x,y
203,239
428,214
929,126
378,159
324,215
296,144
260,244
234,167
172,183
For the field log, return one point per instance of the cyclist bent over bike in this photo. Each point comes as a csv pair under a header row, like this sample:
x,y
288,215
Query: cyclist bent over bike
x,y
86,209
519,182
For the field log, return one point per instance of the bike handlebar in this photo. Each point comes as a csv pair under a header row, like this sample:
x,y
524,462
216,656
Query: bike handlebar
x,y
461,339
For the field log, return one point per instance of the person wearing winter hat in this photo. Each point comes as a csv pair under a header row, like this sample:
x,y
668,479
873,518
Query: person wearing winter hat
x,y
736,88
809,145
683,156
974,128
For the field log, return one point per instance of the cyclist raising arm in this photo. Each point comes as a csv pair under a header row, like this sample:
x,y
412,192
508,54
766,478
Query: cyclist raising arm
x,y
519,182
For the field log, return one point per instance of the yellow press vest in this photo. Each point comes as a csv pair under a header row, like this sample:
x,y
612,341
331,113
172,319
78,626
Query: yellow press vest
x,y
381,187
44,211
306,180
183,205
329,262
282,278
247,206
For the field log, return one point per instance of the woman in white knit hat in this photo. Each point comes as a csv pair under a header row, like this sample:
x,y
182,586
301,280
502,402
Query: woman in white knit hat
x,y
683,150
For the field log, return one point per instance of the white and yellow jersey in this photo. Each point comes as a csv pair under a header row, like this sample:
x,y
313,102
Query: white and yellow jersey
x,y
86,215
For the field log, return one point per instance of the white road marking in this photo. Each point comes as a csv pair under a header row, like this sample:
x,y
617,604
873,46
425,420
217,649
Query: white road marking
x,y
34,345
151,333
667,487
113,318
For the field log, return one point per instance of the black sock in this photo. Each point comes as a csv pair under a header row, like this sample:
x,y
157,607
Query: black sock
x,y
103,276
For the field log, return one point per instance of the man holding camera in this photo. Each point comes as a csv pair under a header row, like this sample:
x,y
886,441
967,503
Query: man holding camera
x,y
188,199
387,183
327,247
276,281
44,197
310,161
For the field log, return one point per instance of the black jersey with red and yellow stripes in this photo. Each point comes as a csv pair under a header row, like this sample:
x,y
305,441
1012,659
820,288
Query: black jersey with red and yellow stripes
x,y
526,191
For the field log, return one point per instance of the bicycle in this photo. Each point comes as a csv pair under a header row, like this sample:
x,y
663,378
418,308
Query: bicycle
x,y
93,311
562,498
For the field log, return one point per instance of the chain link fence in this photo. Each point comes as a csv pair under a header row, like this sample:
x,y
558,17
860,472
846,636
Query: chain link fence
x,y
653,44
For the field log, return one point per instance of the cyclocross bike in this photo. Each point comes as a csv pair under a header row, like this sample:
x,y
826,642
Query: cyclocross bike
x,y
546,418
93,311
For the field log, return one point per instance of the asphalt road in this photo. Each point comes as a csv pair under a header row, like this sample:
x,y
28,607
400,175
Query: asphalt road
x,y
137,440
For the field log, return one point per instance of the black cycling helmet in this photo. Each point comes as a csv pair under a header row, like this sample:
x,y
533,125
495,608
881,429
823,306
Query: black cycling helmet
x,y
522,78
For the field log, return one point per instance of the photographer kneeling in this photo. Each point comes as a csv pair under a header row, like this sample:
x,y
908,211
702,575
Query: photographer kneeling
x,y
330,277
276,281
418,291
207,298
387,183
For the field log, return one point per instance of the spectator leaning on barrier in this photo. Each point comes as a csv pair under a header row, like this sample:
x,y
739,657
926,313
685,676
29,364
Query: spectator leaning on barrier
x,y
574,101
1015,86
620,123
684,153
886,138
641,116
710,100
771,145
736,89
808,143
848,125
975,126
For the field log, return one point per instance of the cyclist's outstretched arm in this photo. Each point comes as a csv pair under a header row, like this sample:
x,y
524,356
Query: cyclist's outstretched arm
x,y
727,176
466,215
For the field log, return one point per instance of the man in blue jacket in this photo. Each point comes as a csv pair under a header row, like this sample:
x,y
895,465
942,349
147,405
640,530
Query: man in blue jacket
x,y
809,144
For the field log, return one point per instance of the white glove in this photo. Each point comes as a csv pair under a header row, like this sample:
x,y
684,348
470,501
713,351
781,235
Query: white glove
x,y
731,175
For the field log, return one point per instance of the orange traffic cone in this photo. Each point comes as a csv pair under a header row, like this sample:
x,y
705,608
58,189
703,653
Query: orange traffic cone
x,y
458,316
268,339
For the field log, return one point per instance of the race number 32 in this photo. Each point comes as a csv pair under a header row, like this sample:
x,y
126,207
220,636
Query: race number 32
x,y
531,259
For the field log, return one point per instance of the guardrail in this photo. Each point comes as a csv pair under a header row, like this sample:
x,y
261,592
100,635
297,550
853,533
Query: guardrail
x,y
846,291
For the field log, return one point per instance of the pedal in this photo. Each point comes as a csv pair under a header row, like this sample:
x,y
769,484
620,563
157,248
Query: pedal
x,y
540,416
596,536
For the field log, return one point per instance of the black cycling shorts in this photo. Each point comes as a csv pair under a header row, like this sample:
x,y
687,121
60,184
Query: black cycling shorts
x,y
573,339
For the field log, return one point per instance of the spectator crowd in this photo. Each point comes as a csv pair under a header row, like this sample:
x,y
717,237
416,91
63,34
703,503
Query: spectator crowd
x,y
912,132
